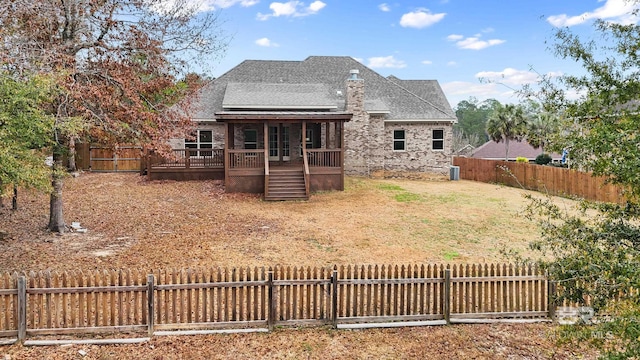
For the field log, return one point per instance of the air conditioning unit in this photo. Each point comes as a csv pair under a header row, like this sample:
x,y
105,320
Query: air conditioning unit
x,y
454,172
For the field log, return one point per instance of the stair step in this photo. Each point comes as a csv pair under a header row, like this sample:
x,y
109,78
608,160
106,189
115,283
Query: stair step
x,y
286,184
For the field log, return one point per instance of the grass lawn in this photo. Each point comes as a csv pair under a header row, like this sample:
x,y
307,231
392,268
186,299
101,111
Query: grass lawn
x,y
133,223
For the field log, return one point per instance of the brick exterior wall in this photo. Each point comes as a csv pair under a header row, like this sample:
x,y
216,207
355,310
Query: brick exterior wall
x,y
369,141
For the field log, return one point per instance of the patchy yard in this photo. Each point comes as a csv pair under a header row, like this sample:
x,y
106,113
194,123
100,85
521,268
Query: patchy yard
x,y
135,223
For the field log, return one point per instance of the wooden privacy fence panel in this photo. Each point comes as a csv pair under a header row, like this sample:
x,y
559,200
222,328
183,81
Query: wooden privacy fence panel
x,y
46,303
124,158
549,179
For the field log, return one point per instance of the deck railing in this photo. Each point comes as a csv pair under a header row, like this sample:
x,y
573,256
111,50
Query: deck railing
x,y
324,157
246,159
189,158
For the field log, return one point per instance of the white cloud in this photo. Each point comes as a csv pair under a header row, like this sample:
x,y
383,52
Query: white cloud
x,y
473,42
457,91
499,85
292,8
266,42
513,77
316,6
386,62
420,19
427,62
619,11
384,7
452,63
360,60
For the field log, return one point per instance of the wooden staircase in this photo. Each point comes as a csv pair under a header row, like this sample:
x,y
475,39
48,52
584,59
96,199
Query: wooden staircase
x,y
286,184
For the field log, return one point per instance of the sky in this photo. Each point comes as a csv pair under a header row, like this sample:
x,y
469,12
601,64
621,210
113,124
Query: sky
x,y
474,48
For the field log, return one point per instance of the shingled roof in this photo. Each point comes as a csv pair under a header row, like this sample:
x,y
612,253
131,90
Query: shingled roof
x,y
492,150
318,82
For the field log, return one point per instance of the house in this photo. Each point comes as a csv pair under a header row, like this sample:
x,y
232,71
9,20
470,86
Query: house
x,y
286,128
492,150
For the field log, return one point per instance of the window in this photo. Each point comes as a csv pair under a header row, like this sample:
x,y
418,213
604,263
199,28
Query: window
x,y
399,140
251,139
437,139
203,140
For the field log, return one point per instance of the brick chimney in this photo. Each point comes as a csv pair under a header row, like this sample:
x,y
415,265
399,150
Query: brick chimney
x,y
355,93
356,136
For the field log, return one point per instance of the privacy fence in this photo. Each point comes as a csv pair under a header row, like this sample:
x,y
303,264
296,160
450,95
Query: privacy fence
x,y
548,179
173,301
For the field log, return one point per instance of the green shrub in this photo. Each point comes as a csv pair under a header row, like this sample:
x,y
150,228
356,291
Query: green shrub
x,y
522,159
543,159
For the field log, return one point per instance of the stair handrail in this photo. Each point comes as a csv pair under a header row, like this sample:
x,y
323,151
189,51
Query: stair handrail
x,y
305,161
266,172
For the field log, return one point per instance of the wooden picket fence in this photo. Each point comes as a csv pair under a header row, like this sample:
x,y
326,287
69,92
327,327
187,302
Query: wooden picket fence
x,y
165,301
548,179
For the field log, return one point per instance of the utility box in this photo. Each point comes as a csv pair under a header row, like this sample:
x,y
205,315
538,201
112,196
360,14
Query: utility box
x,y
454,172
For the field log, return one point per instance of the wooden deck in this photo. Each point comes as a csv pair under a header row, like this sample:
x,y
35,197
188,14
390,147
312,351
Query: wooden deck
x,y
249,171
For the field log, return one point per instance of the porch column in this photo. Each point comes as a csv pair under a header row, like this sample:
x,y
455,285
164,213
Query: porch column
x,y
266,140
280,143
227,146
304,136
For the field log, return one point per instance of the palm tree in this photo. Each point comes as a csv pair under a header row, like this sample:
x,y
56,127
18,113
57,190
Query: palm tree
x,y
507,123
541,128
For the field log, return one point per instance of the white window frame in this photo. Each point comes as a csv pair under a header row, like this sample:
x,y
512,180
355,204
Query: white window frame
x,y
434,140
189,144
402,140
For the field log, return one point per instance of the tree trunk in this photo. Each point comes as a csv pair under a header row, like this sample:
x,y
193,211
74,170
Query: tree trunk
x,y
506,149
56,218
71,159
14,200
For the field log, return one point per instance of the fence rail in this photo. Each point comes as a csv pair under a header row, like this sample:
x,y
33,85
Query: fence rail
x,y
553,180
241,298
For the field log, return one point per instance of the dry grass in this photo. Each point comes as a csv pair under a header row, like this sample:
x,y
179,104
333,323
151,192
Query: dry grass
x,y
140,224
451,342
135,223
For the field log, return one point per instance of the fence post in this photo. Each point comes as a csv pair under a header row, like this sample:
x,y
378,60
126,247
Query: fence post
x,y
334,297
447,296
272,301
22,308
151,314
551,301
